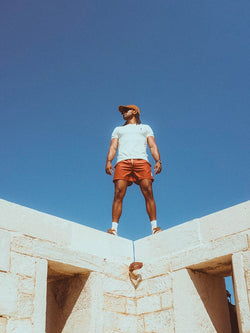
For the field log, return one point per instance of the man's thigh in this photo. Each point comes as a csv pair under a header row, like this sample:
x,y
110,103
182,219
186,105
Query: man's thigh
x,y
120,187
146,186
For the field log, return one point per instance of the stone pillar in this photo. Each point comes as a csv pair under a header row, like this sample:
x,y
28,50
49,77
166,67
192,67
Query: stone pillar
x,y
241,269
39,314
200,303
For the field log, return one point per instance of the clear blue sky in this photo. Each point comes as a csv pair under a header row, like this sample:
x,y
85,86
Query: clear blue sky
x,y
67,65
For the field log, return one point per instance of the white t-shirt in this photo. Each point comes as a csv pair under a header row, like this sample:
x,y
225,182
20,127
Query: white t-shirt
x,y
132,141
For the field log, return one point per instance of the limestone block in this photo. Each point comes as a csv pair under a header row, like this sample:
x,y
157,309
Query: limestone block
x,y
148,304
248,279
94,286
3,323
167,300
54,252
116,269
25,305
39,313
155,267
131,306
88,240
119,287
172,240
140,325
115,303
19,326
8,294
9,215
26,285
33,223
22,244
246,260
200,303
4,250
225,222
142,289
159,284
22,264
209,251
110,321
241,294
159,322
127,323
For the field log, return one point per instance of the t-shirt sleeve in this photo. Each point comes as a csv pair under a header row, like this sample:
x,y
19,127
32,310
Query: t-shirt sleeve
x,y
115,134
149,131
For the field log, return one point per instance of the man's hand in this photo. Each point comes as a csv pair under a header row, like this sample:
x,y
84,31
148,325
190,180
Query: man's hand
x,y
109,168
157,168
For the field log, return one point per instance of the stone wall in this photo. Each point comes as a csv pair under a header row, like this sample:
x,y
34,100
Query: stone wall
x,y
58,276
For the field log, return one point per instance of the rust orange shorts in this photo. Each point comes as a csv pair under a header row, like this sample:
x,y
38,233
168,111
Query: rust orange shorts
x,y
133,171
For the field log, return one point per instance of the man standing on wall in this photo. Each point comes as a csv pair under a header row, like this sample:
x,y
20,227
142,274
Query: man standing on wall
x,y
132,166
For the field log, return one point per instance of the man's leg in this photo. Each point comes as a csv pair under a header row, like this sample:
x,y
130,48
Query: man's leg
x,y
147,191
120,191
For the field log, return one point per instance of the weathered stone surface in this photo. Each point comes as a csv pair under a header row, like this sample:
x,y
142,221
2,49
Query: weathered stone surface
x,y
140,325
246,260
4,250
159,284
88,275
159,322
157,267
26,285
22,244
126,323
167,300
59,254
241,297
142,289
248,279
19,326
25,306
8,294
148,304
33,223
225,222
39,313
154,285
101,244
119,287
110,321
115,303
248,237
22,264
117,269
3,323
209,251
172,240
131,306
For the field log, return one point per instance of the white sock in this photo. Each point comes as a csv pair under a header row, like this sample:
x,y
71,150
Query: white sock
x,y
153,224
115,226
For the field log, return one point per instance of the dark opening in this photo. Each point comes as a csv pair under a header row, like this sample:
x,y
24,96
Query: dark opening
x,y
231,304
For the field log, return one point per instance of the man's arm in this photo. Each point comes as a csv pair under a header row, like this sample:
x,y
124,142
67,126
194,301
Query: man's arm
x,y
155,153
111,154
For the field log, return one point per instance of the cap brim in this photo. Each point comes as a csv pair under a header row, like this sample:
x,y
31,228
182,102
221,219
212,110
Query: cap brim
x,y
122,108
